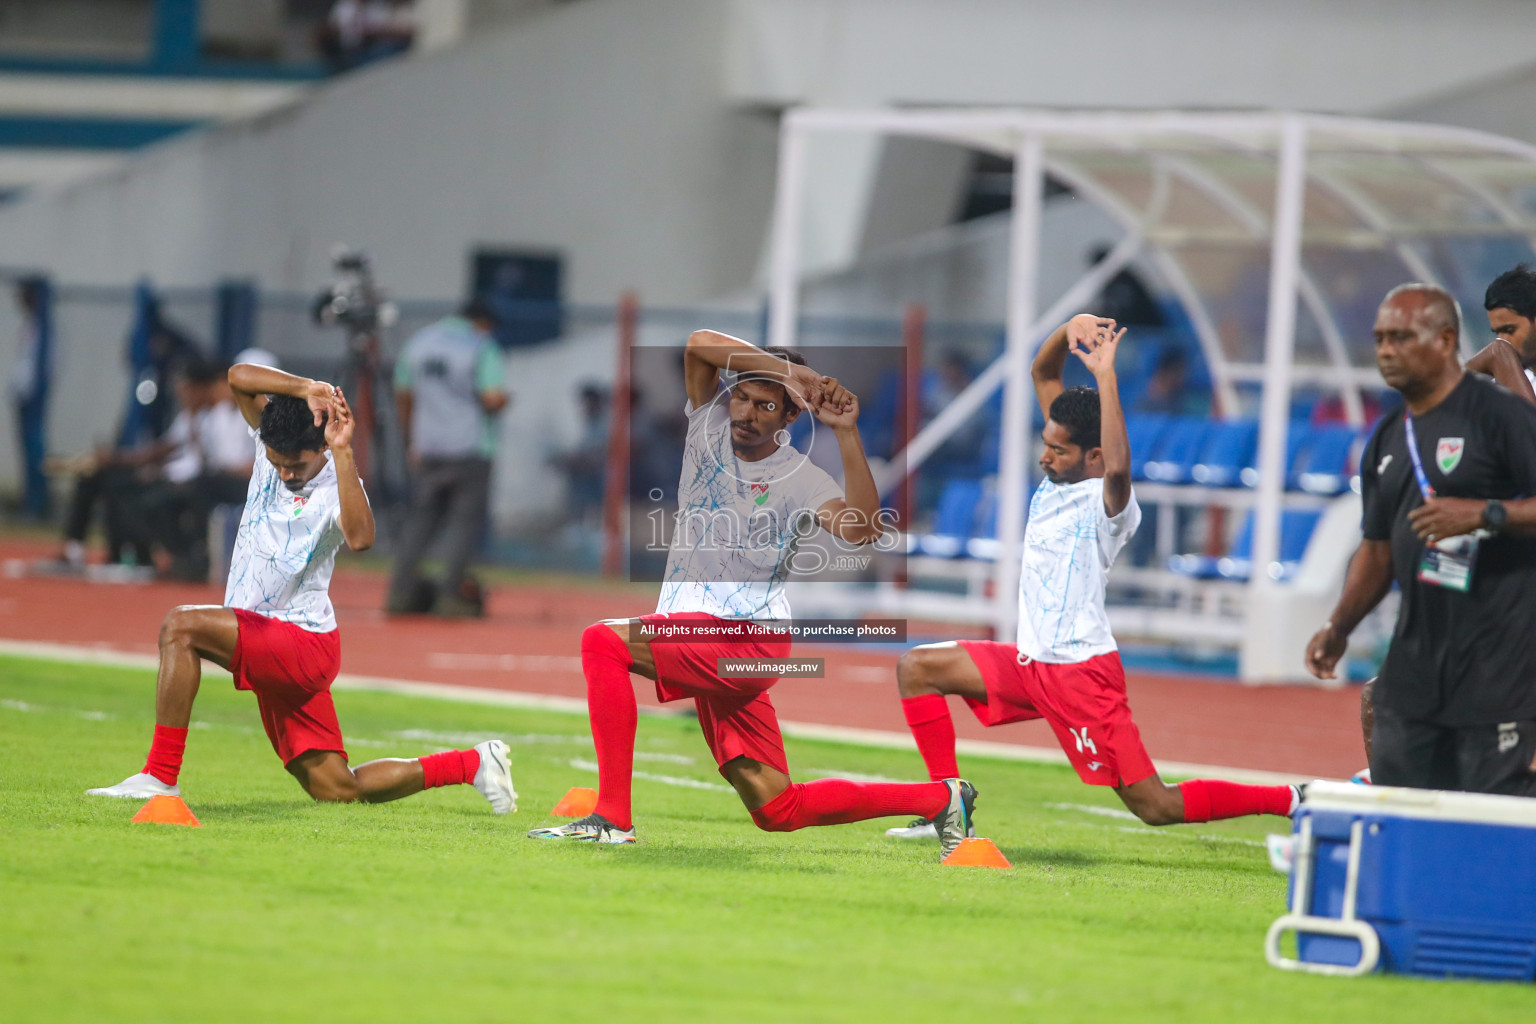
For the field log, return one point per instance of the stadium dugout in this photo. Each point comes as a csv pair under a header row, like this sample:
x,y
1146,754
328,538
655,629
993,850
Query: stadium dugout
x,y
1277,232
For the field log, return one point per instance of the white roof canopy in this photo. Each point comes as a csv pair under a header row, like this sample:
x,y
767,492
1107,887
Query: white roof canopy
x,y
1243,214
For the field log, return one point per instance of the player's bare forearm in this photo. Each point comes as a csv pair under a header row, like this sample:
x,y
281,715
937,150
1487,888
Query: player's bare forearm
x,y
1501,361
1114,442
356,515
709,352
1050,363
859,523
253,379
1439,518
252,383
1365,584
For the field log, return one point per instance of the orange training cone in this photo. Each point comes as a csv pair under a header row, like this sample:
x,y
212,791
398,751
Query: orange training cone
x,y
977,853
167,810
578,803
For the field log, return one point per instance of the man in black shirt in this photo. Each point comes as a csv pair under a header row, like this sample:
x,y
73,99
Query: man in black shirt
x,y
1447,514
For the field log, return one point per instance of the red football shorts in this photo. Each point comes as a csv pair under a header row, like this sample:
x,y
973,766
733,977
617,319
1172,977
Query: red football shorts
x,y
1084,703
291,671
736,716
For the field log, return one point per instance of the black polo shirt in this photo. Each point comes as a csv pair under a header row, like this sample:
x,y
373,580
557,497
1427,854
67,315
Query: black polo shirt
x,y
1458,658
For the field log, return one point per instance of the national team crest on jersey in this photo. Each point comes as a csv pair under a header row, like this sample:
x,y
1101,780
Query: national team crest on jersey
x,y
759,494
1448,453
299,501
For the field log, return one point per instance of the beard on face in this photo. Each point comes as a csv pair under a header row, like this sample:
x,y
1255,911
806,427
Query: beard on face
x,y
295,485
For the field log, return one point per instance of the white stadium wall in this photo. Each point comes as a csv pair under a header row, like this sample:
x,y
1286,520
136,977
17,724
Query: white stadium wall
x,y
638,140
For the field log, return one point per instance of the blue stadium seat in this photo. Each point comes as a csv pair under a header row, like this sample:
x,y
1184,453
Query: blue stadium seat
x,y
1296,526
1229,449
1177,450
1145,431
1323,465
1296,438
954,519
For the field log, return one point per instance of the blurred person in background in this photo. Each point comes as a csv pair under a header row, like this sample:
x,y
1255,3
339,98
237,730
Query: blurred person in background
x,y
449,388
1511,305
585,464
29,392
121,481
179,511
358,32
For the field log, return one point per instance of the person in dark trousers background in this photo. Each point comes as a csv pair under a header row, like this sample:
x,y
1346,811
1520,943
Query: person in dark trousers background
x,y
1447,514
449,387
29,390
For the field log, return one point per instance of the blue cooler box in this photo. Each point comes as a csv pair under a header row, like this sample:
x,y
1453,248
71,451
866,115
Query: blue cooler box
x,y
1411,881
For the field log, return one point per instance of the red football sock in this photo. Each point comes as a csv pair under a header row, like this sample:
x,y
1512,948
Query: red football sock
x,y
1214,799
450,768
838,801
605,661
165,754
928,718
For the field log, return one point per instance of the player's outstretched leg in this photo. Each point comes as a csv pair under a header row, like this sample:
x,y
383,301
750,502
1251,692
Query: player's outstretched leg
x,y
779,805
1157,803
925,676
188,634
326,776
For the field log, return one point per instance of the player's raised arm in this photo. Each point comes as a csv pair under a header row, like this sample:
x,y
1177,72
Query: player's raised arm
x,y
1097,351
356,515
1051,360
251,383
854,517
709,352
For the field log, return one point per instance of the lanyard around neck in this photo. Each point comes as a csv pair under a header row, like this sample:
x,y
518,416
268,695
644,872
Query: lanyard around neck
x,y
1413,454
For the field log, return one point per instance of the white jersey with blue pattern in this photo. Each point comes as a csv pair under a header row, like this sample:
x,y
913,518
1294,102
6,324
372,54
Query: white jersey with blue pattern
x,y
1069,545
737,522
286,548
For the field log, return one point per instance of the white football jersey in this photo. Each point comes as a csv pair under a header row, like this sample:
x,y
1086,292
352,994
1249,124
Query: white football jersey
x,y
1069,545
286,548
736,529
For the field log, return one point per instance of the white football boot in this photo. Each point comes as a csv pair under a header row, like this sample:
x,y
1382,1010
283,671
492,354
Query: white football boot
x,y
137,787
494,776
917,828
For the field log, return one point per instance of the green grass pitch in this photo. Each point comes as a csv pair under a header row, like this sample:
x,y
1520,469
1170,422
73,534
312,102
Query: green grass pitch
x,y
432,909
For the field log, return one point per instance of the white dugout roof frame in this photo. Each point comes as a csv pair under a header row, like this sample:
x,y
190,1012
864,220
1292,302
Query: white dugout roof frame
x,y
1304,201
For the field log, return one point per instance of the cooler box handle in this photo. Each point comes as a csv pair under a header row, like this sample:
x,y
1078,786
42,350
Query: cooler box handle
x,y
1345,925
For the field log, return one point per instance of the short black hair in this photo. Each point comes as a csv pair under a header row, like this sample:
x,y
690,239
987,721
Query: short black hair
x,y
288,427
479,308
1514,289
1077,409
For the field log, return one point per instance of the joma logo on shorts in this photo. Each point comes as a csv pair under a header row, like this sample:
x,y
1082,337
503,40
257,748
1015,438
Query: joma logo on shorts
x,y
1509,736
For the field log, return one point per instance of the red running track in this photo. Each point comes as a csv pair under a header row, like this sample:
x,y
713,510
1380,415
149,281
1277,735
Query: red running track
x,y
529,642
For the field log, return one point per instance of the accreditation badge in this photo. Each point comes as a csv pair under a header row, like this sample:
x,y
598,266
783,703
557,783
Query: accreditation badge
x,y
1448,563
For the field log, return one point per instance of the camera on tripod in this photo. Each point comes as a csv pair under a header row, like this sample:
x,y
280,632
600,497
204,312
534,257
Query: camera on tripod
x,y
353,301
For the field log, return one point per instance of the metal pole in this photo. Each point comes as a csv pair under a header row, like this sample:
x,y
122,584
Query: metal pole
x,y
616,477
1279,344
1023,266
784,251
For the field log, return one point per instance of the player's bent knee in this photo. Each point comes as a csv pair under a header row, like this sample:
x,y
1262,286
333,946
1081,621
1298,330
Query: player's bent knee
x,y
178,625
915,671
334,790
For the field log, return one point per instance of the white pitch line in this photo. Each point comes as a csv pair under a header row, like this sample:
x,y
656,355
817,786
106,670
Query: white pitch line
x,y
666,780
574,705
